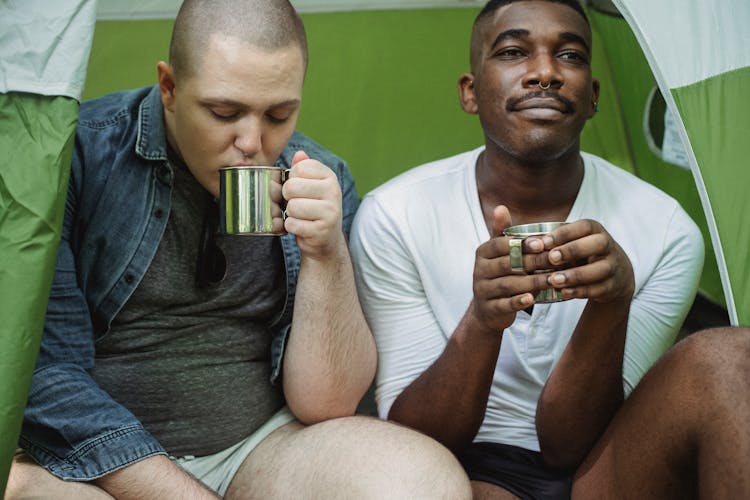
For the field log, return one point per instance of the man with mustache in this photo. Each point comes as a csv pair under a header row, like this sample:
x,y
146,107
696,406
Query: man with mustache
x,y
168,374
522,391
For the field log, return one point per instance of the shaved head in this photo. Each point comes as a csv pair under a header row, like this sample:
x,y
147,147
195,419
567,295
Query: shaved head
x,y
266,24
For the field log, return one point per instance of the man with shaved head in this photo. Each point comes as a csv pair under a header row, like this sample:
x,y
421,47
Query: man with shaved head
x,y
531,395
160,373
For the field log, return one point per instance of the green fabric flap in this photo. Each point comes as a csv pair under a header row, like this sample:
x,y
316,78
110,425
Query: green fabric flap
x,y
715,113
36,144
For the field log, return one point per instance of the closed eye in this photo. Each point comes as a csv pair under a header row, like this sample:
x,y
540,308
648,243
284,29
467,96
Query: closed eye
x,y
224,116
273,118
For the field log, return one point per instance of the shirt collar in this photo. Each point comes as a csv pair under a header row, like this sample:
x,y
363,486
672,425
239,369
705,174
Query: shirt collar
x,y
151,143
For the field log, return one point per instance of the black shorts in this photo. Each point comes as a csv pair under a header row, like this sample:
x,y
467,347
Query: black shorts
x,y
520,471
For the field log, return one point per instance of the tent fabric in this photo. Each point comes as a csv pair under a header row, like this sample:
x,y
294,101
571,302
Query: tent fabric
x,y
44,49
36,138
701,66
167,9
704,39
44,46
628,85
715,113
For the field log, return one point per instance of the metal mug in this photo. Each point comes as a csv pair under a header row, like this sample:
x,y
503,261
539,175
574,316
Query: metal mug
x,y
520,233
250,200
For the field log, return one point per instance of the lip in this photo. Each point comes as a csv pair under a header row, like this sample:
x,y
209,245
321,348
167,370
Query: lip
x,y
549,103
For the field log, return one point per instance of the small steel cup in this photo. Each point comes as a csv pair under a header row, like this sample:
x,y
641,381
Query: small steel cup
x,y
250,200
520,233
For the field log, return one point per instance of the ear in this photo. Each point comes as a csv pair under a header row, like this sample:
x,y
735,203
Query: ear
x,y
594,98
165,75
467,93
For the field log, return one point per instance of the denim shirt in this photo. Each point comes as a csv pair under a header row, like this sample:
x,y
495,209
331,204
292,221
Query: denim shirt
x,y
117,207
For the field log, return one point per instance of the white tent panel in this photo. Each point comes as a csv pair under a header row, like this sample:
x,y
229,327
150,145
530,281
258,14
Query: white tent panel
x,y
677,35
681,56
44,46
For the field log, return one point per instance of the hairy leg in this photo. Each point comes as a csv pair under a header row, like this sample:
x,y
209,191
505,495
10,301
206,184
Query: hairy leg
x,y
29,481
683,432
354,457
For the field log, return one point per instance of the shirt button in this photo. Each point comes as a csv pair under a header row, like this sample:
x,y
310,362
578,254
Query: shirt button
x,y
129,278
158,213
164,174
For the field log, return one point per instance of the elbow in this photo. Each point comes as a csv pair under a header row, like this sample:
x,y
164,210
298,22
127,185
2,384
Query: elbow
x,y
311,413
312,404
558,451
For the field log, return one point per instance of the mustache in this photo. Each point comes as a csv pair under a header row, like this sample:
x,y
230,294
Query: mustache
x,y
568,105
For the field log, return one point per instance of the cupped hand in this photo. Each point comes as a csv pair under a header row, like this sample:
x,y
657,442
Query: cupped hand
x,y
598,268
313,207
499,292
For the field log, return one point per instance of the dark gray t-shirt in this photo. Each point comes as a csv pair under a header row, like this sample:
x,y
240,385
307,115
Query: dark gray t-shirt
x,y
193,364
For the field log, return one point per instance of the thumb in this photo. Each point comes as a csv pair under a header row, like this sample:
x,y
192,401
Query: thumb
x,y
500,220
299,156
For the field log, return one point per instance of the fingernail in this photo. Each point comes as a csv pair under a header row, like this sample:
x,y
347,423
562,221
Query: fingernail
x,y
547,240
525,300
536,245
557,279
555,256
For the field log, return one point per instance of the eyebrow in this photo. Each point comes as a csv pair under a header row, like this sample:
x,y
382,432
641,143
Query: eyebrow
x,y
230,102
512,33
522,33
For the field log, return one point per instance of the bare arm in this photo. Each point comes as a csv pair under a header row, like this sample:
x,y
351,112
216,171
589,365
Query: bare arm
x,y
330,359
154,477
448,401
585,389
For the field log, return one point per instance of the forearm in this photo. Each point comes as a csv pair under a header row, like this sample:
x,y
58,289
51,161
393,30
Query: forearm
x,y
585,388
153,477
448,401
330,360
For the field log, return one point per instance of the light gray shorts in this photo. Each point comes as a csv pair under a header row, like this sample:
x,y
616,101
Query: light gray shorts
x,y
216,471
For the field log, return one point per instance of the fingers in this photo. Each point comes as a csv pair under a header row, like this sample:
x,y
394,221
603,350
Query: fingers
x,y
509,286
595,265
313,206
310,180
500,220
299,156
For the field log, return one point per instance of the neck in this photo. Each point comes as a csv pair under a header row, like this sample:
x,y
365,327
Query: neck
x,y
533,191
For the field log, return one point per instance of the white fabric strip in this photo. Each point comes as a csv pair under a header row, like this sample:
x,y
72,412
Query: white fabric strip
x,y
691,40
167,9
45,45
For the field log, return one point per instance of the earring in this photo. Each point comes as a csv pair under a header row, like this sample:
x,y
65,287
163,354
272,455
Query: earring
x,y
596,107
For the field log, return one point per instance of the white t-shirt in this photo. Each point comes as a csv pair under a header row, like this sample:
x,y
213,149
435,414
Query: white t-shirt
x,y
413,243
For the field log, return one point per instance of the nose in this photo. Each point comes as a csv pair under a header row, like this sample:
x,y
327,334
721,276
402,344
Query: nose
x,y
543,72
248,137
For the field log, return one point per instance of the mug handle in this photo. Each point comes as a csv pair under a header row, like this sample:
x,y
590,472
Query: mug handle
x,y
516,255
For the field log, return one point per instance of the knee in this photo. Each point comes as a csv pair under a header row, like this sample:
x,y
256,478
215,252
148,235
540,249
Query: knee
x,y
403,463
422,467
719,356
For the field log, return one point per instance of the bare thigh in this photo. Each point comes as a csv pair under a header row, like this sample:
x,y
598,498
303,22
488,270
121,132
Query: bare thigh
x,y
686,419
354,457
488,491
28,481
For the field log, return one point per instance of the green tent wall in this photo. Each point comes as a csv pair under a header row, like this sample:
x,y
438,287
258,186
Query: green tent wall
x,y
40,83
381,92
